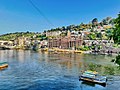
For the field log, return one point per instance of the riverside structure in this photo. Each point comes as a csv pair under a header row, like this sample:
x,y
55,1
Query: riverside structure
x,y
71,41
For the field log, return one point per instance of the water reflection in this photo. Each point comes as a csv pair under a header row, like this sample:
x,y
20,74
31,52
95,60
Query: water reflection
x,y
91,86
80,63
49,71
87,84
73,62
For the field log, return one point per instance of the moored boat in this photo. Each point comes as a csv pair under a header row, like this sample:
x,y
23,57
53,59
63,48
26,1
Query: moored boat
x,y
3,65
93,77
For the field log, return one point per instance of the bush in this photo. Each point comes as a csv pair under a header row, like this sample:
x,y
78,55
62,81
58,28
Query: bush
x,y
83,48
116,60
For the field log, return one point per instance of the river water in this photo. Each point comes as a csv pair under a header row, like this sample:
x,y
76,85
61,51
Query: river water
x,y
29,70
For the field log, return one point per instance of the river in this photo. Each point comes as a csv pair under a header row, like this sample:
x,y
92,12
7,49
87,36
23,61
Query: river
x,y
29,70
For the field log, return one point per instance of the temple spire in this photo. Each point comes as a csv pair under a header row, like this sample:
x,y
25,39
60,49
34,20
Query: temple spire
x,y
68,34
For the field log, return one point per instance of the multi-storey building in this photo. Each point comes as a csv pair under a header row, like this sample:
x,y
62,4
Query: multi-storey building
x,y
71,41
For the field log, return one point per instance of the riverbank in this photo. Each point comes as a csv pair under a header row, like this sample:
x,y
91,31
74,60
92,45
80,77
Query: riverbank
x,y
114,51
57,50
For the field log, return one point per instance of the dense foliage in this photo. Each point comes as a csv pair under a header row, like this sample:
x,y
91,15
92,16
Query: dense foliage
x,y
116,37
116,33
117,60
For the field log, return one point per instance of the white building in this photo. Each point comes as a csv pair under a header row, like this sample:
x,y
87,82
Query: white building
x,y
53,33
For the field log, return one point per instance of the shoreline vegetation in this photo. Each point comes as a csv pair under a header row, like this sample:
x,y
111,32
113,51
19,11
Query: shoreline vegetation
x,y
58,51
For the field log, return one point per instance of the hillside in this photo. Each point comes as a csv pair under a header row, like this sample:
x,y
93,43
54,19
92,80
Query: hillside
x,y
91,27
93,24
12,36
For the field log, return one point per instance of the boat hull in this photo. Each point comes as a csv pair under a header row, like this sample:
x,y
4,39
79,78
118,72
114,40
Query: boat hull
x,y
92,81
3,66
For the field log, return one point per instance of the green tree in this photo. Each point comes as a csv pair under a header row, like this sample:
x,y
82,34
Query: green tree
x,y
94,22
116,32
117,59
92,36
109,33
63,28
112,21
99,35
116,37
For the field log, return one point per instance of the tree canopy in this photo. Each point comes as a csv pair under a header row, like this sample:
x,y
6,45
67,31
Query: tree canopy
x,y
116,33
116,37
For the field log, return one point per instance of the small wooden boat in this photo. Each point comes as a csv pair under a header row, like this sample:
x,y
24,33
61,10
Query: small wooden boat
x,y
3,65
92,76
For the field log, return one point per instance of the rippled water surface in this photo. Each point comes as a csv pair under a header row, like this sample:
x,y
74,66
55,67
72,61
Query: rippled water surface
x,y
30,70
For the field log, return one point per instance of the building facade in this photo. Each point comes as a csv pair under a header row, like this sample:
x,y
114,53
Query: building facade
x,y
71,41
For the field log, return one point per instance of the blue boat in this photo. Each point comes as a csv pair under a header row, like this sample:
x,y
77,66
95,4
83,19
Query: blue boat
x,y
3,65
93,77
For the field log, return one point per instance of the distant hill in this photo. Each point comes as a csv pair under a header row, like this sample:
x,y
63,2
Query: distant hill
x,y
12,36
81,27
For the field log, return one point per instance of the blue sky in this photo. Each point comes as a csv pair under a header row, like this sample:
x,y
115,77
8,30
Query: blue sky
x,y
20,15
